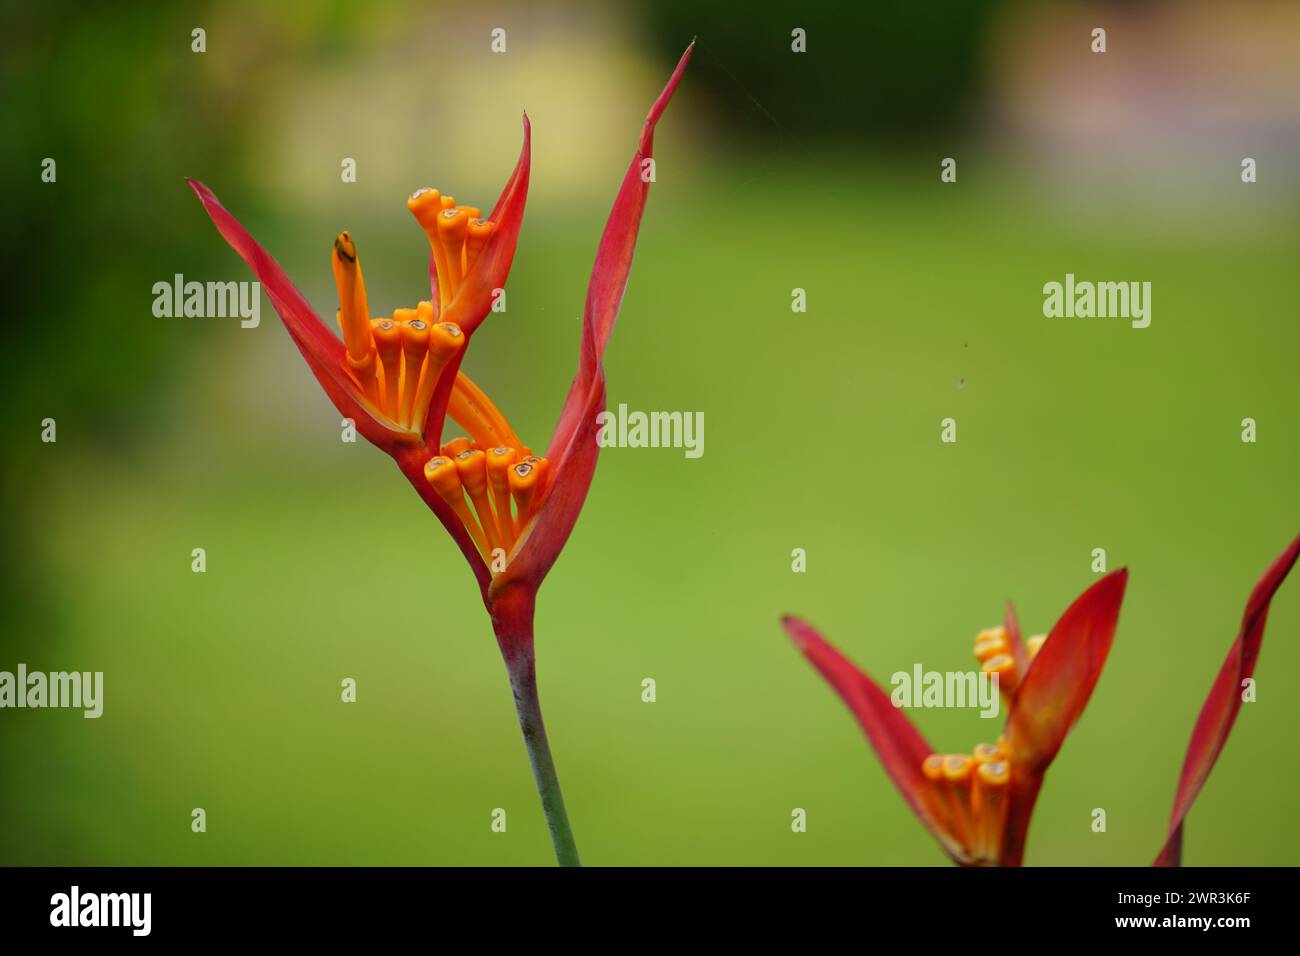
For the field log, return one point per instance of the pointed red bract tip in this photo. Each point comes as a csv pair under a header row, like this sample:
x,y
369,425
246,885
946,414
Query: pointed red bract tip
x,y
1052,696
1061,677
1219,712
899,745
323,351
1014,639
573,449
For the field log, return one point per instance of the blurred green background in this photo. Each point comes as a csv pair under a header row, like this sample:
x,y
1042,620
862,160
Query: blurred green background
x,y
775,170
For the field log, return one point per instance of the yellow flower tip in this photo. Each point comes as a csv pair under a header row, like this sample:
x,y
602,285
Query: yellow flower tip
x,y
989,645
425,204
445,340
523,477
454,447
448,202
1004,665
345,248
353,314
538,462
541,467
415,337
478,232
1034,644
957,768
471,464
997,662
995,773
932,767
985,753
453,224
442,474
388,343
499,460
387,335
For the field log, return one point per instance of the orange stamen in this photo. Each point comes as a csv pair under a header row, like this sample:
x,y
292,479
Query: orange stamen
x,y
472,410
445,341
426,205
353,315
989,807
480,231
441,472
957,771
415,349
453,224
1004,665
937,801
388,343
499,461
523,485
543,467
471,464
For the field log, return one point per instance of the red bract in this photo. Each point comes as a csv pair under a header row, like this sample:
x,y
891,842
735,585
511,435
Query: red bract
x,y
1221,707
978,806
398,378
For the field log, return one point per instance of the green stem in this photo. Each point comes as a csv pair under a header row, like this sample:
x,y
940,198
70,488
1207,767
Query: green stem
x,y
514,629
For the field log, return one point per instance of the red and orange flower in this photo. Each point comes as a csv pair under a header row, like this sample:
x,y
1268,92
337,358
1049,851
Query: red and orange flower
x,y
978,805
398,377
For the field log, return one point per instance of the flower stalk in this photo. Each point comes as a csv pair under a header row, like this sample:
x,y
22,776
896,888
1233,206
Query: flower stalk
x,y
512,620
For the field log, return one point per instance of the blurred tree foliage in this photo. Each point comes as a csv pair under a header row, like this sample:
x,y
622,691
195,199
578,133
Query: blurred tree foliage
x,y
118,98
870,70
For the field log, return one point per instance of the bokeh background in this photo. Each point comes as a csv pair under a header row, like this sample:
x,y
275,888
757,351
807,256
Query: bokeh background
x,y
775,170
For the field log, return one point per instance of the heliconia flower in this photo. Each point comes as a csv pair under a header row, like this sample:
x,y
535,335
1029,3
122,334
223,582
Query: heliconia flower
x,y
1219,712
398,378
978,805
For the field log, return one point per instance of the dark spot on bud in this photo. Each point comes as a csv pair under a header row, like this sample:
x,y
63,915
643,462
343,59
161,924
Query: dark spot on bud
x,y
343,246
